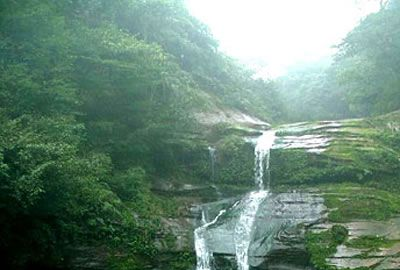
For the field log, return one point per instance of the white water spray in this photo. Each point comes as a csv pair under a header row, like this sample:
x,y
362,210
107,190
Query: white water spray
x,y
249,207
244,227
262,154
204,256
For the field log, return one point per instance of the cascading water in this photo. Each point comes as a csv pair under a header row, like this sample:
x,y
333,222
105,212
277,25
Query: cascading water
x,y
244,226
262,154
249,206
204,256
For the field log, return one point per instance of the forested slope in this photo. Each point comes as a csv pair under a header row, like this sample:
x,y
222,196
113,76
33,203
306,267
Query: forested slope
x,y
95,98
362,80
98,103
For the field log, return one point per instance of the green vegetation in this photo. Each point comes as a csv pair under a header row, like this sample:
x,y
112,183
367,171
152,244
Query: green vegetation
x,y
236,161
362,80
349,202
177,261
353,155
372,243
97,103
357,175
322,245
360,58
312,92
360,203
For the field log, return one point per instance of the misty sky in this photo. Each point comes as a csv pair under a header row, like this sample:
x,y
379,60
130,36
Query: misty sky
x,y
272,35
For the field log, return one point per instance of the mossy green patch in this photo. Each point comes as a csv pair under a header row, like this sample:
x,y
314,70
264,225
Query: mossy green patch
x,y
371,243
124,262
177,261
359,151
299,168
235,161
323,245
183,261
351,202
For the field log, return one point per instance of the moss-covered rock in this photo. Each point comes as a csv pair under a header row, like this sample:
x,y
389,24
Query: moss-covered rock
x,y
360,151
349,202
323,245
235,161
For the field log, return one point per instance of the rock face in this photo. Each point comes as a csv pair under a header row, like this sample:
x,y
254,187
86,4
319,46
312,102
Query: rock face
x,y
179,236
389,229
306,155
230,116
89,258
379,258
278,230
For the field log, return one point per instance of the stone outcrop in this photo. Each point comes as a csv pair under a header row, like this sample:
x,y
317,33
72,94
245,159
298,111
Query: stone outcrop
x,y
380,258
278,230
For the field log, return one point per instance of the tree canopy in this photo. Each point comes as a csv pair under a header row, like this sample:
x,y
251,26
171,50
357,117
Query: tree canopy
x,y
92,97
363,79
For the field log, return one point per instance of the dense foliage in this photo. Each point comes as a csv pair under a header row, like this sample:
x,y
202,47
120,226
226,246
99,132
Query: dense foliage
x,y
98,101
95,100
368,63
363,79
311,92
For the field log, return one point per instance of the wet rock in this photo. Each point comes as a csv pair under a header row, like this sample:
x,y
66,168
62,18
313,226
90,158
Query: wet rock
x,y
311,143
389,264
89,258
347,252
384,258
352,263
279,226
177,235
389,229
230,116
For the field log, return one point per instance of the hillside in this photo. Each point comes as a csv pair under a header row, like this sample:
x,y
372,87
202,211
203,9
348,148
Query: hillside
x,y
98,99
128,140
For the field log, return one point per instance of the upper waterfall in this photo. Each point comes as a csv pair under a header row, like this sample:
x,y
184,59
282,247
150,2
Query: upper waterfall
x,y
262,153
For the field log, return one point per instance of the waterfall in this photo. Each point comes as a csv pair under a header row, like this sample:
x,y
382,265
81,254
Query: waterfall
x,y
244,227
262,154
204,256
243,232
203,217
211,151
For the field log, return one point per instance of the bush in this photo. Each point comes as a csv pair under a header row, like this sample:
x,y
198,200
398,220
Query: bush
x,y
129,185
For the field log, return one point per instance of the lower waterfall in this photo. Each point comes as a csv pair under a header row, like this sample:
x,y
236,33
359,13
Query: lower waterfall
x,y
203,255
244,227
249,206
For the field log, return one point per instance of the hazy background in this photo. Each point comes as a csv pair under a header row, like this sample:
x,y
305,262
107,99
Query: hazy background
x,y
270,36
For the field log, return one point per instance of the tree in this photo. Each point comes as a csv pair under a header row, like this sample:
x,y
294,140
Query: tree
x,y
368,63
